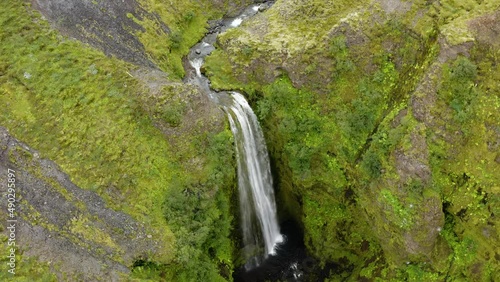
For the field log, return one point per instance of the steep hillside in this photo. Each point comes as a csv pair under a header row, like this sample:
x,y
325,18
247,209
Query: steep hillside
x,y
383,120
126,172
71,228
149,33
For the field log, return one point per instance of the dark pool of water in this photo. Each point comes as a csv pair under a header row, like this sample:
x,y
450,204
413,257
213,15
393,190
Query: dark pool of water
x,y
291,262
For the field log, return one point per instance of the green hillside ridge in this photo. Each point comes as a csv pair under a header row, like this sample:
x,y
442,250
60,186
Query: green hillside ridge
x,y
155,149
188,22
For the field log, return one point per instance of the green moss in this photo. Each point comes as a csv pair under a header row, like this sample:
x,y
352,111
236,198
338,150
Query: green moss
x,y
220,71
82,226
170,104
73,123
28,269
464,168
187,23
401,215
334,138
454,17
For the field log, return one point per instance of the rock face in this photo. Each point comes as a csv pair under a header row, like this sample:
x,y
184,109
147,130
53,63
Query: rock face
x,y
60,223
408,215
103,24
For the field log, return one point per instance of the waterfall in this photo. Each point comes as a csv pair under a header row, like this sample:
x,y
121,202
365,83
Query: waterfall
x,y
196,64
236,22
259,221
257,204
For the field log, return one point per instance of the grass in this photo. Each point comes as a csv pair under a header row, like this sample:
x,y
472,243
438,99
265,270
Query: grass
x,y
79,108
187,23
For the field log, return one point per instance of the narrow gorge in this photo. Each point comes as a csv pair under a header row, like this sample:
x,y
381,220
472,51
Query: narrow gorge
x,y
259,225
250,141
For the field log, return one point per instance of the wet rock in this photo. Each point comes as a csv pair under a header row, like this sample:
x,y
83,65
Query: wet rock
x,y
265,5
214,26
486,28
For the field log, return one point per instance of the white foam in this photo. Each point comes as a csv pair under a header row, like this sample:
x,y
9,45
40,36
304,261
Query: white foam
x,y
196,64
236,22
277,241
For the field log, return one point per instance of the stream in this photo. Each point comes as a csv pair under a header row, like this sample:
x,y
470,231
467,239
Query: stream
x,y
270,254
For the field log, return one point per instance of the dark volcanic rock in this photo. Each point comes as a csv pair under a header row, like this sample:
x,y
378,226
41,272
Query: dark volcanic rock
x,y
60,223
103,24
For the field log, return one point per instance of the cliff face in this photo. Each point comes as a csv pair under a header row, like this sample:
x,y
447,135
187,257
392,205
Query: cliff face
x,y
382,118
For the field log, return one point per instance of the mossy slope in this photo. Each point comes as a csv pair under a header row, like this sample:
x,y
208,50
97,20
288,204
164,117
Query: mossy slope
x,y
150,33
382,120
60,224
149,146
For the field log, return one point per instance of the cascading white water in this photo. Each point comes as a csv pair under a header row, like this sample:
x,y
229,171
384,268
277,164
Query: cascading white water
x,y
259,221
236,22
257,204
196,64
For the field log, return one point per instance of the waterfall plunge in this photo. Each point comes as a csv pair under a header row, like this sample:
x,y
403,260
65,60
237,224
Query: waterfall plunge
x,y
196,64
259,221
257,204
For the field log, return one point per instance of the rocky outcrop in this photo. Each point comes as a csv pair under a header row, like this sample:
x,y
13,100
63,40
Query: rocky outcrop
x,y
64,225
103,24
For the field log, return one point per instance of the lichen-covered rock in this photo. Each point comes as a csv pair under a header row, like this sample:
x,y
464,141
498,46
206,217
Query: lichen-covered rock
x,y
103,24
60,223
